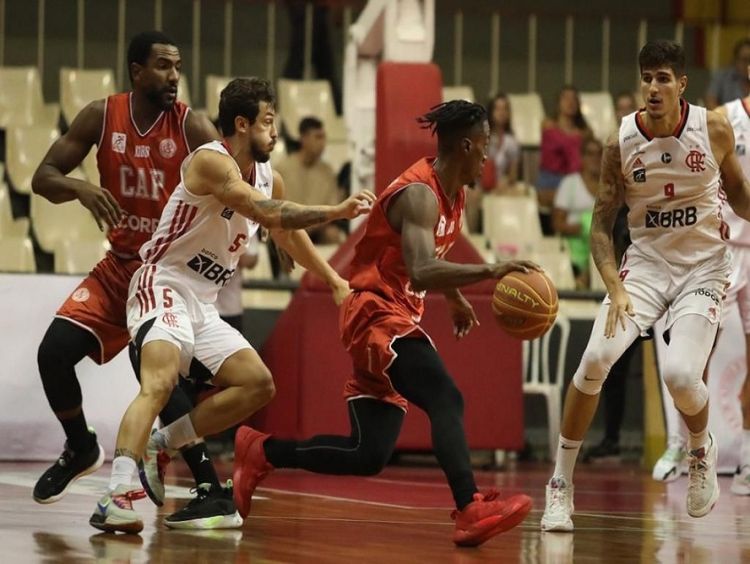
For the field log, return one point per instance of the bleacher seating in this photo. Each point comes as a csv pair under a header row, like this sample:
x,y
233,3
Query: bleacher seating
x,y
79,87
599,111
21,100
511,220
17,255
301,98
214,85
24,149
557,265
78,256
526,117
458,93
10,227
183,90
53,223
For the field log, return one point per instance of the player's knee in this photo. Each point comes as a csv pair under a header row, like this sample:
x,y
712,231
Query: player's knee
x,y
372,462
591,374
157,386
261,385
685,385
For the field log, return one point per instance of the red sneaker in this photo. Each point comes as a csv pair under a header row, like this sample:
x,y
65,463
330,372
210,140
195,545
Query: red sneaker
x,y
488,516
250,466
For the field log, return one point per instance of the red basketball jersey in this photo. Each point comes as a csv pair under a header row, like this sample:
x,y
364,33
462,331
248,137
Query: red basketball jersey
x,y
378,264
141,170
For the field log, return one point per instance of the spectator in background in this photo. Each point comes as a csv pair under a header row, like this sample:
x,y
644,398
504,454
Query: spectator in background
x,y
730,83
500,171
311,181
624,105
573,203
560,150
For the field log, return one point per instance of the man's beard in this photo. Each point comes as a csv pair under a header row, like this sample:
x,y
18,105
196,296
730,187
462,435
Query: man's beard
x,y
259,156
156,97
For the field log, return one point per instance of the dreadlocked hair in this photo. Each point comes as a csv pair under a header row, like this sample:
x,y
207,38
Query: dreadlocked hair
x,y
451,120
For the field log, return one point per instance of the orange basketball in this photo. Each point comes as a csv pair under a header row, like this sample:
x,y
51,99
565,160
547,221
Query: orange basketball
x,y
525,305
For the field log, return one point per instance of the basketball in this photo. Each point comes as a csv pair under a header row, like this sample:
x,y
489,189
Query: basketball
x,y
525,304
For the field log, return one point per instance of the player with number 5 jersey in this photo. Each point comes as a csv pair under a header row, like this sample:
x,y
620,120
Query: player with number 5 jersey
x,y
205,228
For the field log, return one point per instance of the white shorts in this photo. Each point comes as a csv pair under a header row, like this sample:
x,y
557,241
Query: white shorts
x,y
739,285
656,287
163,312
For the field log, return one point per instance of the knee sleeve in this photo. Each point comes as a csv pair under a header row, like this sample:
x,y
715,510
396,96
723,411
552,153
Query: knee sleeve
x,y
64,345
602,353
593,370
685,384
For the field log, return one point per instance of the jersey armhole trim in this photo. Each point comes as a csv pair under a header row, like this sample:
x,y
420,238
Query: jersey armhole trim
x,y
184,185
184,129
104,124
387,202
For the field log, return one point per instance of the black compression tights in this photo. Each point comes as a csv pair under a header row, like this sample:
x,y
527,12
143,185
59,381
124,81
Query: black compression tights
x,y
419,375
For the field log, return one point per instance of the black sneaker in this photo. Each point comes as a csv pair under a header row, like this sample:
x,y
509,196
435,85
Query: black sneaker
x,y
607,450
213,508
54,483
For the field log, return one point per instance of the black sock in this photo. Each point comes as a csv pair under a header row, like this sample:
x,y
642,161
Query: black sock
x,y
197,459
281,454
77,432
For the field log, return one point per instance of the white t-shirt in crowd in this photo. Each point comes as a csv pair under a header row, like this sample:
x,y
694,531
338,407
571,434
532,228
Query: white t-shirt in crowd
x,y
573,197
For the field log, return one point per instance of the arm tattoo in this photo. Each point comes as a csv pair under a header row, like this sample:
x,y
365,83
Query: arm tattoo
x,y
126,452
289,214
225,185
609,200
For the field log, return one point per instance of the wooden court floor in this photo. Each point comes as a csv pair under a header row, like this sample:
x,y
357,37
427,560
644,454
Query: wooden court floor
x,y
400,516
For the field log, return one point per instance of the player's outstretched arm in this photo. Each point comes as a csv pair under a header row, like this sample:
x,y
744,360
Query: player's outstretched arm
x,y
51,182
609,200
212,173
298,245
414,214
736,186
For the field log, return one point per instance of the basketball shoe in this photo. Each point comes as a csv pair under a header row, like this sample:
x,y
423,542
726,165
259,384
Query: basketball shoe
x,y
559,506
488,516
212,508
250,466
54,483
703,487
114,511
671,464
151,468
741,480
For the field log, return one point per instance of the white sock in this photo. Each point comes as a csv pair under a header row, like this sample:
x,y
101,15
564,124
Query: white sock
x,y
567,452
177,434
745,450
697,440
123,468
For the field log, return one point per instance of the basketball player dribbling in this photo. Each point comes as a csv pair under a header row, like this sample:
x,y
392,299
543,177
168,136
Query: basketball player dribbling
x,y
668,165
204,229
414,223
141,138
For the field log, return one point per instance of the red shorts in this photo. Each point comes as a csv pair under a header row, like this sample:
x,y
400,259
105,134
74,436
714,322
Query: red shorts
x,y
98,305
369,325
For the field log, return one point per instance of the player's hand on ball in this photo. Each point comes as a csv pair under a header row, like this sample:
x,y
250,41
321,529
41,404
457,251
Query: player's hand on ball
x,y
101,204
620,308
464,318
502,268
356,205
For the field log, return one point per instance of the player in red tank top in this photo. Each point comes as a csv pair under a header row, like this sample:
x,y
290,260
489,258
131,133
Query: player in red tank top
x,y
142,137
413,224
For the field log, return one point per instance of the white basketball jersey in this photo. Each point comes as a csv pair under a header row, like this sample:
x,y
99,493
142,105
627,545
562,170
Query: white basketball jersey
x,y
673,189
738,113
199,241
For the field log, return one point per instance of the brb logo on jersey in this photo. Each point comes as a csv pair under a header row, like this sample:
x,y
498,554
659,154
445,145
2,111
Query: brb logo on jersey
x,y
210,270
681,217
695,161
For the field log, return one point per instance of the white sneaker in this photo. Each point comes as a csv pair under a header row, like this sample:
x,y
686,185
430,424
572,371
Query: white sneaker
x,y
741,481
671,465
559,506
703,487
